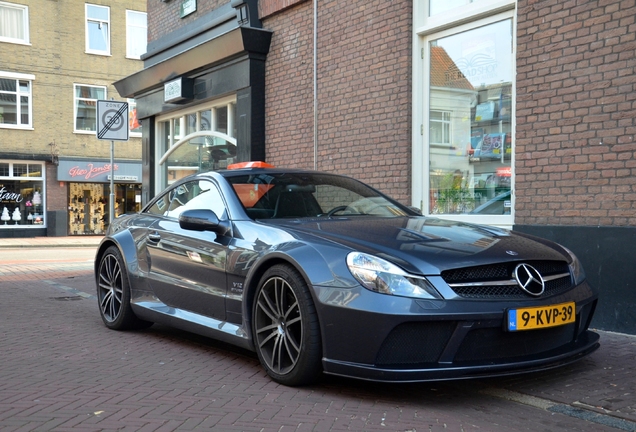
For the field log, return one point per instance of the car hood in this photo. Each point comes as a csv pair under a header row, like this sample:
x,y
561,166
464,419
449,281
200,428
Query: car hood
x,y
427,245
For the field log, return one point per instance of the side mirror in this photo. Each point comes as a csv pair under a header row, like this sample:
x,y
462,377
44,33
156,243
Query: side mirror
x,y
203,220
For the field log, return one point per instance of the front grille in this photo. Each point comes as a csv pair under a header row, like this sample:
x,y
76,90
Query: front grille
x,y
504,273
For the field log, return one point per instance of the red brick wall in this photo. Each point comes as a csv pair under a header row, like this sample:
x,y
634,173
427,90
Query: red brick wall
x,y
364,90
576,104
165,17
289,89
269,7
56,191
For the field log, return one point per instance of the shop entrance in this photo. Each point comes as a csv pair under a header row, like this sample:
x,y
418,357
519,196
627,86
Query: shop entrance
x,y
88,208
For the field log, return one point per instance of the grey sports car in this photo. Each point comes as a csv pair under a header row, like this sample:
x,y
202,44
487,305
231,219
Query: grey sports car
x,y
319,273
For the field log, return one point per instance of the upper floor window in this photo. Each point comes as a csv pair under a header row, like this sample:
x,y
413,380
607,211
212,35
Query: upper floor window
x,y
14,23
136,34
15,100
86,97
97,29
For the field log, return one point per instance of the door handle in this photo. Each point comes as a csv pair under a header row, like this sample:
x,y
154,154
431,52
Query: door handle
x,y
154,237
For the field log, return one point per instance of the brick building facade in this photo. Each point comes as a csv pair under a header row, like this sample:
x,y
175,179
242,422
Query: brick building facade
x,y
517,114
49,59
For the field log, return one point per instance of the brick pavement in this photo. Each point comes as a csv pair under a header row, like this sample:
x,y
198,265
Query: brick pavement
x,y
62,370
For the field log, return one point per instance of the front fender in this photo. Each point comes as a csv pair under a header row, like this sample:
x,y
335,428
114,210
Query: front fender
x,y
324,265
124,241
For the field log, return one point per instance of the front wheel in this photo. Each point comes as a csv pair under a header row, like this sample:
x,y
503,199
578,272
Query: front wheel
x,y
113,293
285,328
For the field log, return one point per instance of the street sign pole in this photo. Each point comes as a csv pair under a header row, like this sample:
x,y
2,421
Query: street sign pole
x,y
111,203
112,124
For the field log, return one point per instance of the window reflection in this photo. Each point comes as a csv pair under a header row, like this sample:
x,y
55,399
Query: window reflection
x,y
199,152
470,135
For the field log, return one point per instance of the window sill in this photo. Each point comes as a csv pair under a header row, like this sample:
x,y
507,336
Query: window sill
x,y
98,53
16,127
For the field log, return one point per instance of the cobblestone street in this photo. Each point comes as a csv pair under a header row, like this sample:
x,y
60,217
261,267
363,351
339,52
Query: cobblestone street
x,y
62,370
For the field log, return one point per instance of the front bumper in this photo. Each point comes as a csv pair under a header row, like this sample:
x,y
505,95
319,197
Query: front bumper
x,y
384,338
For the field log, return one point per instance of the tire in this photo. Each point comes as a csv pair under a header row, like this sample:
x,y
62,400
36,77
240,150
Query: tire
x,y
285,328
113,293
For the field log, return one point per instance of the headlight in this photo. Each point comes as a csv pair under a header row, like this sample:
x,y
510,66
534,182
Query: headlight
x,y
381,276
575,267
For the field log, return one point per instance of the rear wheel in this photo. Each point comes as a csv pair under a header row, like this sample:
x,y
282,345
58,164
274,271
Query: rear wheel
x,y
285,328
113,293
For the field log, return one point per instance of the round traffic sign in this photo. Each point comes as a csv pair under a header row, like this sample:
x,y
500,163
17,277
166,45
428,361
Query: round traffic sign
x,y
118,122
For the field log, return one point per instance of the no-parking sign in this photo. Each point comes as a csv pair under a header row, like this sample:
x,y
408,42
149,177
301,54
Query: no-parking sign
x,y
112,120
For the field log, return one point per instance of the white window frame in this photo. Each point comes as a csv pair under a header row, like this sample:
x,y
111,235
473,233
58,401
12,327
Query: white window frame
x,y
25,24
75,106
130,42
20,77
426,29
100,22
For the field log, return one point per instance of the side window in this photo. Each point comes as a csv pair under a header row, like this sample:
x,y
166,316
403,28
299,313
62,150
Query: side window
x,y
160,207
198,194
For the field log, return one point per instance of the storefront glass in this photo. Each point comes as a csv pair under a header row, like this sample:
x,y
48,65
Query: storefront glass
x,y
185,148
469,121
21,195
88,207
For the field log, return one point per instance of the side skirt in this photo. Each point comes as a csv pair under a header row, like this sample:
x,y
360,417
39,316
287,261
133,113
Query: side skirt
x,y
223,331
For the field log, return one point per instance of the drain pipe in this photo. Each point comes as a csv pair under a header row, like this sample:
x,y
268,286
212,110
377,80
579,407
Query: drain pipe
x,y
315,66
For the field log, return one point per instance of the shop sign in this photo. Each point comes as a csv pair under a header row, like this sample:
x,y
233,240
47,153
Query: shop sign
x,y
124,178
73,170
188,7
89,171
9,196
178,90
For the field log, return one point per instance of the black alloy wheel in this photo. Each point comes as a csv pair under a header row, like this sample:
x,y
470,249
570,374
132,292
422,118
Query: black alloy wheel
x,y
113,293
286,330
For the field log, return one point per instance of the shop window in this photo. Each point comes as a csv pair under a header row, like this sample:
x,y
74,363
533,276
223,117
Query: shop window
x,y
14,23
86,97
469,112
21,195
15,100
184,147
89,206
97,29
136,34
463,109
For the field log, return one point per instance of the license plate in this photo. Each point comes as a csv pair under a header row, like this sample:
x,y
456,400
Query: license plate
x,y
541,317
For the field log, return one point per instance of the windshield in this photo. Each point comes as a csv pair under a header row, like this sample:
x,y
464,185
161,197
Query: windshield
x,y
309,195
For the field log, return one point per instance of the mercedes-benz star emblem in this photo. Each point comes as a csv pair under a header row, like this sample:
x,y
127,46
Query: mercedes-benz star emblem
x,y
529,279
